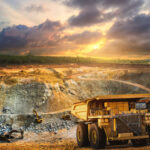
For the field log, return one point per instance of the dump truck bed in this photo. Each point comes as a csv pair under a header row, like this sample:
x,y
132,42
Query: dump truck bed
x,y
81,109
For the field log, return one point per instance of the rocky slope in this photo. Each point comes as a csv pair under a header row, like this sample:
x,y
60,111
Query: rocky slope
x,y
52,89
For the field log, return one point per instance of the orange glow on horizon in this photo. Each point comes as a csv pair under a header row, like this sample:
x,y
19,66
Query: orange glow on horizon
x,y
84,50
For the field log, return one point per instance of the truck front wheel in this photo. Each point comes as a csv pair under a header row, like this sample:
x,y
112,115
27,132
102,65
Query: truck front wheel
x,y
82,135
97,137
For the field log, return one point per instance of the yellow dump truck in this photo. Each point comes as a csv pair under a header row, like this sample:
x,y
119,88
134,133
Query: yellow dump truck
x,y
113,119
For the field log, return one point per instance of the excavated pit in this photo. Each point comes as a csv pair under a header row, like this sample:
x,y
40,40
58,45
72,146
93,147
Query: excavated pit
x,y
51,92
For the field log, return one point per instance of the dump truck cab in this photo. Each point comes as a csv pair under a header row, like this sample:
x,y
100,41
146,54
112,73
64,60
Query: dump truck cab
x,y
113,119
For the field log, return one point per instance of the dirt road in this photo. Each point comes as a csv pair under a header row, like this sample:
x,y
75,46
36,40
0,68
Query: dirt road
x,y
63,140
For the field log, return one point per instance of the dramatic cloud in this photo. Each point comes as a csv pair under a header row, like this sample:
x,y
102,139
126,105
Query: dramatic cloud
x,y
89,16
104,3
89,27
84,37
45,38
93,12
128,9
36,8
135,27
129,37
81,3
20,37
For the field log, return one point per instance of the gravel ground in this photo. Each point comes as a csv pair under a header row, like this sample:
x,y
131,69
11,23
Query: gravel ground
x,y
63,140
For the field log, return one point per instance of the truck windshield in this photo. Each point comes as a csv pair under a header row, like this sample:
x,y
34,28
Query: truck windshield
x,y
140,106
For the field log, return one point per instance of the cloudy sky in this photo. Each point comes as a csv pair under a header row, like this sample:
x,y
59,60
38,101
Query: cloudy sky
x,y
99,28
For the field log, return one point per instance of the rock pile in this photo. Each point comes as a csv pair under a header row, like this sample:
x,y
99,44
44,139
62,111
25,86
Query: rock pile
x,y
51,122
53,126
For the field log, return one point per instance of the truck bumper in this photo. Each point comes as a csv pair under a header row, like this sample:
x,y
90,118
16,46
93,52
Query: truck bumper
x,y
128,138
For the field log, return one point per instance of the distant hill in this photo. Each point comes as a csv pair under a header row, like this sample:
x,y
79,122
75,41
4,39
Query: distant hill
x,y
29,59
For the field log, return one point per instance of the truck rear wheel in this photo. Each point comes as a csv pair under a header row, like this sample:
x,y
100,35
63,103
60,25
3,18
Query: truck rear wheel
x,y
97,137
82,135
139,142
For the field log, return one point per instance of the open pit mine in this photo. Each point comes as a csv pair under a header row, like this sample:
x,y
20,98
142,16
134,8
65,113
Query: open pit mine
x,y
37,100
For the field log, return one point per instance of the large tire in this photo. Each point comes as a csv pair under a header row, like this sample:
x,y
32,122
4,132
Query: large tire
x,y
104,138
97,137
82,135
139,142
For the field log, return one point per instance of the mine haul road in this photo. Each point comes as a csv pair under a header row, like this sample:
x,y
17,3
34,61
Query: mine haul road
x,y
63,140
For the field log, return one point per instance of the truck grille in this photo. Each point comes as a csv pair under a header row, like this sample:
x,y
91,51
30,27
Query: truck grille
x,y
129,123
